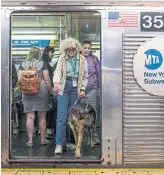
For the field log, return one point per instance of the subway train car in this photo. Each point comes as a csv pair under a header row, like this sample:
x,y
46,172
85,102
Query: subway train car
x,y
128,38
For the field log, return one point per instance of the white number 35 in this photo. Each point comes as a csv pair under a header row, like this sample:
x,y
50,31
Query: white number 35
x,y
149,22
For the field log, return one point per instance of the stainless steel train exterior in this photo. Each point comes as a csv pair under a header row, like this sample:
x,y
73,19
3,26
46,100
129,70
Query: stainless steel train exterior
x,y
132,125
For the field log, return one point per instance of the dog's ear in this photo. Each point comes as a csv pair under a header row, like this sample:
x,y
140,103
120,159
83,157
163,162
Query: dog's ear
x,y
78,112
75,112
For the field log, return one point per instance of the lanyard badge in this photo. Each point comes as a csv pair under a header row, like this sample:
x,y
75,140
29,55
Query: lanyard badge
x,y
74,79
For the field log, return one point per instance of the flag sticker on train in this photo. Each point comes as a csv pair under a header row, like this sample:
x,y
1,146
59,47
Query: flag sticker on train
x,y
122,19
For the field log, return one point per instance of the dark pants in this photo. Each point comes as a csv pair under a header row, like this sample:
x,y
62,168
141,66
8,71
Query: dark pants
x,y
52,114
14,112
36,120
14,115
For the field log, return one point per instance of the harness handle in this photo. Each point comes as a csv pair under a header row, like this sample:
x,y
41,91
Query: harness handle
x,y
85,100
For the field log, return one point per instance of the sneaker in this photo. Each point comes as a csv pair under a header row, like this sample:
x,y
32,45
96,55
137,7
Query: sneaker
x,y
71,146
52,131
97,140
49,136
49,132
15,131
39,131
35,129
58,149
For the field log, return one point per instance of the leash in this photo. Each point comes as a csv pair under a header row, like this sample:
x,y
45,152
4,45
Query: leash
x,y
85,101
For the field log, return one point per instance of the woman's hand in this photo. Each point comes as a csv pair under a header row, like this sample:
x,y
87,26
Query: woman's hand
x,y
82,94
56,87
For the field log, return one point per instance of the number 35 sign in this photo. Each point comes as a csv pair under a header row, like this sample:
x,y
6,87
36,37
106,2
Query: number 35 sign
x,y
152,21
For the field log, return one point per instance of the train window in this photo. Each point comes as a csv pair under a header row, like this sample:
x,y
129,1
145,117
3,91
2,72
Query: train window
x,y
56,85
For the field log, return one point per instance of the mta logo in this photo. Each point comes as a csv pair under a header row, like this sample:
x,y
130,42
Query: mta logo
x,y
153,59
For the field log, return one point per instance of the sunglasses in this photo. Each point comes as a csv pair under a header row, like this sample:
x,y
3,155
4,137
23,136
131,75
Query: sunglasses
x,y
71,49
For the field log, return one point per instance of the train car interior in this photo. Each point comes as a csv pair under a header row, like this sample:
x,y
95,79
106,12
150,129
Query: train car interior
x,y
39,30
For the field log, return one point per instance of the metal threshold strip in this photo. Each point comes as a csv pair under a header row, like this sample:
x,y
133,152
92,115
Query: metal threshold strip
x,y
39,160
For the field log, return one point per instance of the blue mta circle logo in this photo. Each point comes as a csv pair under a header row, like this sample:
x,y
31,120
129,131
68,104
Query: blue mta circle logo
x,y
153,60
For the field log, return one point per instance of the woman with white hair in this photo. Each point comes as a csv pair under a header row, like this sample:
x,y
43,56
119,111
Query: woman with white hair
x,y
70,81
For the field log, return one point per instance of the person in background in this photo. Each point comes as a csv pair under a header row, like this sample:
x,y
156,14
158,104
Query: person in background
x,y
36,129
47,55
14,76
14,108
51,114
70,81
36,103
93,88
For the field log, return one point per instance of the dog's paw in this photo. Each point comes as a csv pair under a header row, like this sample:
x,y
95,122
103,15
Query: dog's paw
x,y
77,154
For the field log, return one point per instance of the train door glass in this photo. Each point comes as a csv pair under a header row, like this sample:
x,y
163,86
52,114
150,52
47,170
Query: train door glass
x,y
37,43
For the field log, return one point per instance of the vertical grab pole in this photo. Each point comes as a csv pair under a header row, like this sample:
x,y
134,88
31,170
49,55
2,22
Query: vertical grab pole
x,y
60,30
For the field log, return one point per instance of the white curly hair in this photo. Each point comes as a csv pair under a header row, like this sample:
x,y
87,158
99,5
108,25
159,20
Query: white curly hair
x,y
64,45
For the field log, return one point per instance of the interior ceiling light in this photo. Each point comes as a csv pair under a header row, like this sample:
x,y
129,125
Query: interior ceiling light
x,y
96,14
32,32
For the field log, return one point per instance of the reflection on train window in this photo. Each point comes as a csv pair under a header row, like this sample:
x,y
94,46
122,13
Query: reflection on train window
x,y
56,85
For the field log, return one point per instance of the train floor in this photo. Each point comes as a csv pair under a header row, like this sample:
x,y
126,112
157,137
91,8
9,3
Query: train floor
x,y
19,149
83,172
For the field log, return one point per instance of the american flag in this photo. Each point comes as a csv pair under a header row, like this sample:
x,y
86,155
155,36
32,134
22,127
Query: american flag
x,y
122,19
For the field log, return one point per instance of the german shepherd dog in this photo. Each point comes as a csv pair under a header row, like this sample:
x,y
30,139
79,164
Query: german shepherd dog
x,y
82,119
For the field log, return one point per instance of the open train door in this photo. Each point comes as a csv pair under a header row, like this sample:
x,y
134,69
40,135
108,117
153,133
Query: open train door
x,y
37,29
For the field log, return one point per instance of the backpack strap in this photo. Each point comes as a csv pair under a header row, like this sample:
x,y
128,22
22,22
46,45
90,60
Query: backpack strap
x,y
34,63
54,66
29,64
94,59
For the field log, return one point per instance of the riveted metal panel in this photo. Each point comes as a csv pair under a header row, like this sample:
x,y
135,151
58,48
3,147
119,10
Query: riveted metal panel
x,y
143,113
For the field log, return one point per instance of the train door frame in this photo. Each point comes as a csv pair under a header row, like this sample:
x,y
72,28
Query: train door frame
x,y
8,145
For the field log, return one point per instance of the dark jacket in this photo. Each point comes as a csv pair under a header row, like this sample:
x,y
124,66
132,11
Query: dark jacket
x,y
14,76
50,68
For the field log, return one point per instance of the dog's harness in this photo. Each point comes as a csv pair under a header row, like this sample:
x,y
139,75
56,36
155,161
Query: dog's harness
x,y
82,112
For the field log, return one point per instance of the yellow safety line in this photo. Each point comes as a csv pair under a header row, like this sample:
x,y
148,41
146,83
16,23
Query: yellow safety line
x,y
83,169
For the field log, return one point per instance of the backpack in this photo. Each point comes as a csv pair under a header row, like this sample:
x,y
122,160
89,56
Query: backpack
x,y
30,81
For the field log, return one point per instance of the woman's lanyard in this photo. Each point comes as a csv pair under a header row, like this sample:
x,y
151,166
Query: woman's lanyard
x,y
73,66
74,79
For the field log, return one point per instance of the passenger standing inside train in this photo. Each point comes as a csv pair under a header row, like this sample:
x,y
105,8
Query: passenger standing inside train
x,y
14,76
36,103
93,88
70,81
14,110
51,114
